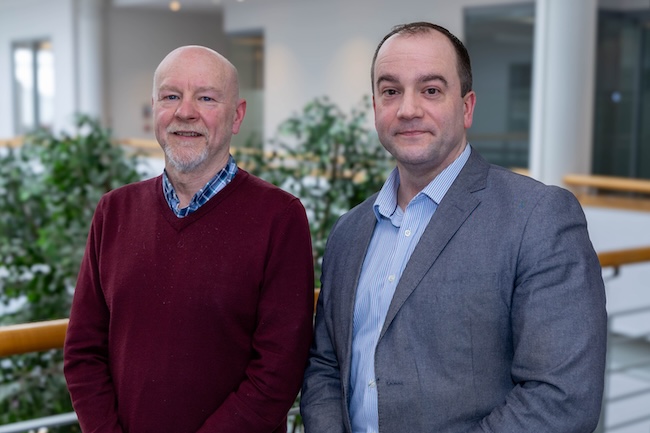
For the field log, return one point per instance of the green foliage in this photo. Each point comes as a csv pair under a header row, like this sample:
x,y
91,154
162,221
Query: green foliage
x,y
329,159
49,188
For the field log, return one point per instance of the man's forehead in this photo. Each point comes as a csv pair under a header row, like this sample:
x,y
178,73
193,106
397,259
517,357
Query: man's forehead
x,y
427,42
430,49
200,72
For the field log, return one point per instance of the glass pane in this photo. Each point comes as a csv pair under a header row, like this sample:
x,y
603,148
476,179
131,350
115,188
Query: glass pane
x,y
616,94
643,153
24,89
33,63
45,85
246,52
500,42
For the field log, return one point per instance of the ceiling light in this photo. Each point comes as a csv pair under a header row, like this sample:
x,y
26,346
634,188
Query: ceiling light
x,y
175,6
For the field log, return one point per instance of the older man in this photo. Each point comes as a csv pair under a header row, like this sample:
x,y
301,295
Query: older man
x,y
193,307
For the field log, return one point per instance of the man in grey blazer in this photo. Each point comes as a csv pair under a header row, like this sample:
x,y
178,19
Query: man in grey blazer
x,y
462,297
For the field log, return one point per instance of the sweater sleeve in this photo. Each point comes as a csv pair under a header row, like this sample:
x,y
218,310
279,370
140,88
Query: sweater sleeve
x,y
283,334
86,345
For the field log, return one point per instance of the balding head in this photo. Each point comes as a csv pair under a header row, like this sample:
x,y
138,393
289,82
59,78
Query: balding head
x,y
184,57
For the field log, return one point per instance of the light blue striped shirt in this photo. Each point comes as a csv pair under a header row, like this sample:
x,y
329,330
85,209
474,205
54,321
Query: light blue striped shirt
x,y
396,234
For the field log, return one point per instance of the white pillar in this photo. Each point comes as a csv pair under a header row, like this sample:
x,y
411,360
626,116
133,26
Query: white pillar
x,y
89,54
563,88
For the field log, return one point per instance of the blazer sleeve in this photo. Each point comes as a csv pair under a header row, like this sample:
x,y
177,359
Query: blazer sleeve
x,y
559,326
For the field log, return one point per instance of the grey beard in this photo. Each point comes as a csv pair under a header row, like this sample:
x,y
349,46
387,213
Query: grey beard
x,y
185,165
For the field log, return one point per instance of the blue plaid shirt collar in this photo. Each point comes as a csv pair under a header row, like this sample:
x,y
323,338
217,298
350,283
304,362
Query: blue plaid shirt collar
x,y
214,185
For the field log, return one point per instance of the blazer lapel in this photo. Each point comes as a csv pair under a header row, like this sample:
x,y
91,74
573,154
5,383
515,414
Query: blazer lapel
x,y
452,212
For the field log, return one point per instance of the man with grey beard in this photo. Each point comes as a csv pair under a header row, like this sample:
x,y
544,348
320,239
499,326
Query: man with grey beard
x,y
193,306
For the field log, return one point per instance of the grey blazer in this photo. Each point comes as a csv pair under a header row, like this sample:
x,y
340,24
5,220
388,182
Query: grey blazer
x,y
498,323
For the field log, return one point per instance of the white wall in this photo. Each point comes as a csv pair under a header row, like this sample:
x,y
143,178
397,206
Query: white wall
x,y
312,48
315,48
38,19
615,229
104,56
138,39
89,35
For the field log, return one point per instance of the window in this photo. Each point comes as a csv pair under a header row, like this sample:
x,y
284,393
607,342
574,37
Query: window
x,y
33,67
500,42
246,52
622,114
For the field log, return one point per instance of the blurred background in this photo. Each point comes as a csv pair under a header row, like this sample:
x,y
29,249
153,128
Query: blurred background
x,y
562,89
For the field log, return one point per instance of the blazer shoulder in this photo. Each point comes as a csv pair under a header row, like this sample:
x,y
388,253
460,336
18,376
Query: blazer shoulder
x,y
498,186
503,178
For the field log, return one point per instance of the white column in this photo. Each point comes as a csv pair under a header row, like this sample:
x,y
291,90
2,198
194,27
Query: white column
x,y
563,88
89,54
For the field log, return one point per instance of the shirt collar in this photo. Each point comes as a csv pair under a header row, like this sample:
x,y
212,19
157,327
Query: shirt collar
x,y
211,188
386,202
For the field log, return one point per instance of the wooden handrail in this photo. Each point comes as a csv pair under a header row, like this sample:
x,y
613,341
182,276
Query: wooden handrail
x,y
608,183
142,146
11,142
39,336
32,337
624,257
610,191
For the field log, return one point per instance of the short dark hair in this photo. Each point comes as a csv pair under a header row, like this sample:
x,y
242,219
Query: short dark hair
x,y
463,63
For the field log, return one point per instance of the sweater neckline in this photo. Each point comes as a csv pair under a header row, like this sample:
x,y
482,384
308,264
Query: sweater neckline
x,y
180,223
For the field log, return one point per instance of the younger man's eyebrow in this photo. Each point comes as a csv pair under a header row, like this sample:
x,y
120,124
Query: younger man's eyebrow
x,y
422,79
433,77
388,78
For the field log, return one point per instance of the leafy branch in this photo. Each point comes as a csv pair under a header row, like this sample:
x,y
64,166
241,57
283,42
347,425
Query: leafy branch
x,y
49,188
331,160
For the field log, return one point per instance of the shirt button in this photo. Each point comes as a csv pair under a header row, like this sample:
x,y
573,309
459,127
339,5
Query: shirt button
x,y
391,278
407,232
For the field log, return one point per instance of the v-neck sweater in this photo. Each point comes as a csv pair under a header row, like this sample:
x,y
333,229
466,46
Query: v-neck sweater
x,y
195,324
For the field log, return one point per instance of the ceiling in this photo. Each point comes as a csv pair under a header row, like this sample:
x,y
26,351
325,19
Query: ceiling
x,y
211,5
187,5
194,5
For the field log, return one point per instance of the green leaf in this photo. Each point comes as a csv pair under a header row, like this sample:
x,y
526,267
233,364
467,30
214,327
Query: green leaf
x,y
49,188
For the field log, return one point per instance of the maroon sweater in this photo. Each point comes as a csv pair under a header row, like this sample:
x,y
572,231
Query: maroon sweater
x,y
199,324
